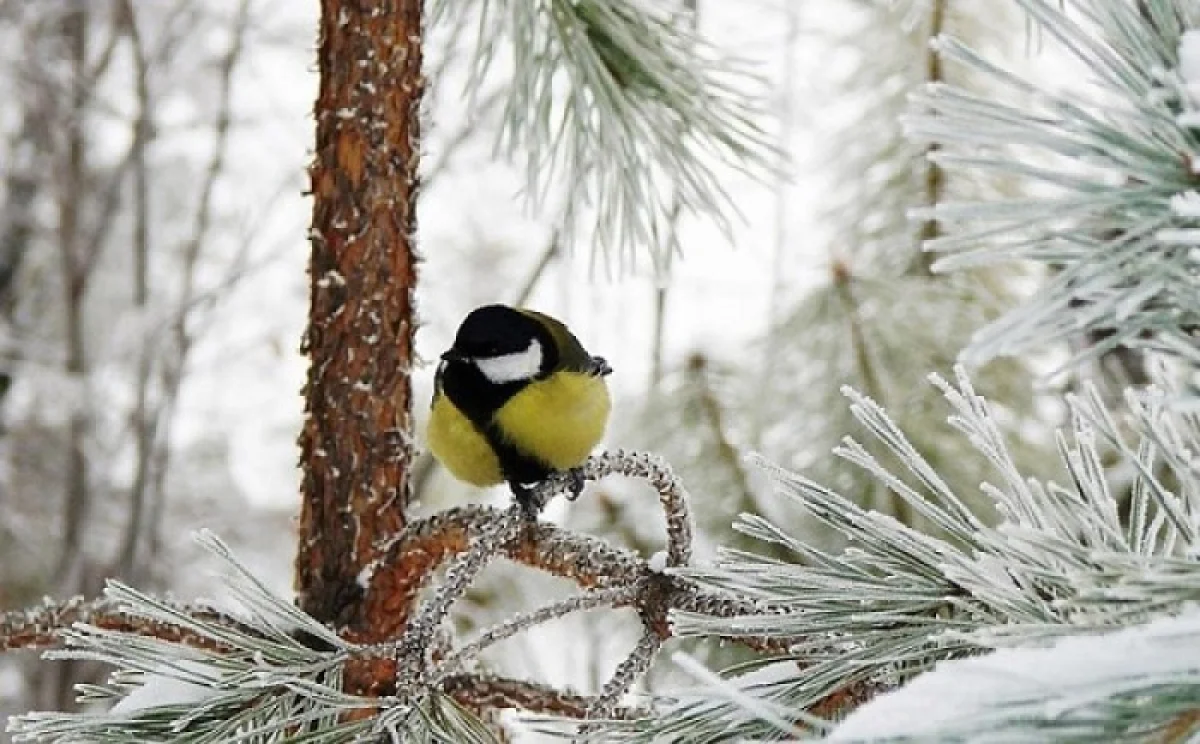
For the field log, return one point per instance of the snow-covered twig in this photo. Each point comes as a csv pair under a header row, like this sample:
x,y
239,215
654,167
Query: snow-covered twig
x,y
627,673
413,647
41,626
614,597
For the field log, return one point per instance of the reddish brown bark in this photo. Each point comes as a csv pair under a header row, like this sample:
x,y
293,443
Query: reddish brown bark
x,y
355,445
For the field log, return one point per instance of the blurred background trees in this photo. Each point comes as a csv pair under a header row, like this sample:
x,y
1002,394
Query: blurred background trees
x,y
121,239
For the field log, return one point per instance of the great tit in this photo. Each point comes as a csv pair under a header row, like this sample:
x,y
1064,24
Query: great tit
x,y
516,398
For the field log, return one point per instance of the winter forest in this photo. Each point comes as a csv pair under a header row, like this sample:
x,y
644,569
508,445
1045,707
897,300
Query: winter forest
x,y
901,300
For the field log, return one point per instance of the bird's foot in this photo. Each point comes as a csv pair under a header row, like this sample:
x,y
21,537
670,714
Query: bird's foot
x,y
528,498
575,483
530,495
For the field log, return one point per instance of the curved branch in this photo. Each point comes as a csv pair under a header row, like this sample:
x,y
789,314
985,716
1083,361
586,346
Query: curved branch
x,y
406,563
627,673
599,598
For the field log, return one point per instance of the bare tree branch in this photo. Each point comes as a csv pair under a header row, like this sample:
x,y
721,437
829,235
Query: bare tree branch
x,y
143,428
173,368
73,28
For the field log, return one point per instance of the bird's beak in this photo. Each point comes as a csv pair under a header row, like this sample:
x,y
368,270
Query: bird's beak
x,y
453,356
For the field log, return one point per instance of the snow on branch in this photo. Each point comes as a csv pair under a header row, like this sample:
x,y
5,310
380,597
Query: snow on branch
x,y
1117,686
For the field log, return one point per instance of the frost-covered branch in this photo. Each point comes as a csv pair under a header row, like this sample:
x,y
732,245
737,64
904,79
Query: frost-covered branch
x,y
613,101
484,692
1115,167
410,559
271,660
42,626
627,673
615,597
415,646
1061,561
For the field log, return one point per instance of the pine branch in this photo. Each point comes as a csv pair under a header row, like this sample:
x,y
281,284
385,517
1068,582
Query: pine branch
x,y
1113,163
41,627
646,102
272,667
615,597
482,692
1060,562
628,672
410,559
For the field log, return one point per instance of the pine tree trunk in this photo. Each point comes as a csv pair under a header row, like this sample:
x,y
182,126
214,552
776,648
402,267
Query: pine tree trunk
x,y
356,442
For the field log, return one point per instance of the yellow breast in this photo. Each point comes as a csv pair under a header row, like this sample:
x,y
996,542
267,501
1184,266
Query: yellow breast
x,y
557,420
458,445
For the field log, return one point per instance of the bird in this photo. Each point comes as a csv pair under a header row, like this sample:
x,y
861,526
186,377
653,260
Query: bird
x,y
517,399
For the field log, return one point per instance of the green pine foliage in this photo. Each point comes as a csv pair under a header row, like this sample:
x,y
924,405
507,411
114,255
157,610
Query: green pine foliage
x,y
880,320
680,110
1107,544
1111,168
1064,559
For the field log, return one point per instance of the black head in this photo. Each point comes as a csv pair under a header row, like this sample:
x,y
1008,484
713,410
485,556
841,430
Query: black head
x,y
506,345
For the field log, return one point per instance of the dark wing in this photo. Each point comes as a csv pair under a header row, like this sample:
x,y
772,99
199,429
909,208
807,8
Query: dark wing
x,y
571,354
600,367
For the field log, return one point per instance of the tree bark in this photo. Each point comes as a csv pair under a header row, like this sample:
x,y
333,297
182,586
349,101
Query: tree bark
x,y
356,443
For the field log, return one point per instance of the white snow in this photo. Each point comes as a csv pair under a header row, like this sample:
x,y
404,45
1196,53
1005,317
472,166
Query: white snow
x,y
1189,73
1189,56
658,561
1069,674
1186,204
366,574
1178,236
165,689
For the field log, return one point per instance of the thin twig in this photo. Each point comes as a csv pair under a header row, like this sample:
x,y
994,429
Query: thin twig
x,y
628,672
552,249
173,370
413,645
40,627
613,597
483,109
143,427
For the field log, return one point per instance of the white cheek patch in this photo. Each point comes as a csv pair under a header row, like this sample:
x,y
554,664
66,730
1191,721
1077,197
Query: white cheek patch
x,y
521,365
